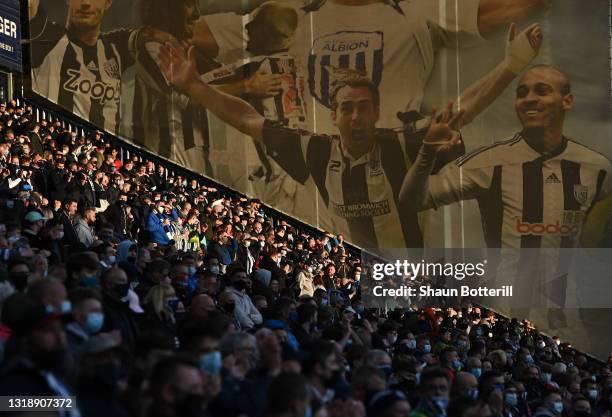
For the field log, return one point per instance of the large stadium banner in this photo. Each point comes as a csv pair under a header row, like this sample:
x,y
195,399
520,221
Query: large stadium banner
x,y
323,109
10,35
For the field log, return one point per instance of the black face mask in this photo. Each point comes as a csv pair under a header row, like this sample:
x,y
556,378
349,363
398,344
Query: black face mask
x,y
229,308
52,360
19,280
107,375
240,285
334,379
190,405
122,289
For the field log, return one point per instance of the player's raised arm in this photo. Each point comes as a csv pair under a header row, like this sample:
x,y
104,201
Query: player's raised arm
x,y
495,13
521,50
181,72
440,137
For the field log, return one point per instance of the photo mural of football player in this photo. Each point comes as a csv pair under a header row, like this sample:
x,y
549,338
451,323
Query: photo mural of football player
x,y
537,189
359,172
79,67
394,42
270,84
163,119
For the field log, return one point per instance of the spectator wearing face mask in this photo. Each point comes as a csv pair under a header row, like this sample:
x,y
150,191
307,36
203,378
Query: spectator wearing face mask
x,y
464,385
87,317
117,312
245,312
161,306
53,241
551,405
434,388
272,261
450,361
176,388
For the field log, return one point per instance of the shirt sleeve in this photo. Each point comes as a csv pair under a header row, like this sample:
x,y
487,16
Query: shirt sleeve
x,y
124,40
606,188
456,182
230,35
288,148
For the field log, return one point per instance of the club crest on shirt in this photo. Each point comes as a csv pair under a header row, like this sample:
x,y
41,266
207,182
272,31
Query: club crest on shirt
x,y
581,193
360,51
374,167
111,67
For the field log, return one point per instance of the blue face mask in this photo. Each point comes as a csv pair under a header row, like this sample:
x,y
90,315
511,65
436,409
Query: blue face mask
x,y
66,307
387,369
427,348
211,363
191,270
411,344
558,407
593,394
93,322
473,393
293,317
499,387
308,411
456,364
90,281
529,359
511,399
440,402
477,372
173,304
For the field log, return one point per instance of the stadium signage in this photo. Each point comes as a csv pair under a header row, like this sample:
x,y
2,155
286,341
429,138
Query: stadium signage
x,y
10,34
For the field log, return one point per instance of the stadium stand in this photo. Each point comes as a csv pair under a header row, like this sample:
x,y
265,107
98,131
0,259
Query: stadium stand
x,y
144,289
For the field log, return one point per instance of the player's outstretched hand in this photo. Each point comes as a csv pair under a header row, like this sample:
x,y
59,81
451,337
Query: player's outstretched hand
x,y
179,70
440,136
522,49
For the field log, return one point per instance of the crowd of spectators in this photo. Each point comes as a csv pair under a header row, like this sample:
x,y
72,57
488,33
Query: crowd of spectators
x,y
148,293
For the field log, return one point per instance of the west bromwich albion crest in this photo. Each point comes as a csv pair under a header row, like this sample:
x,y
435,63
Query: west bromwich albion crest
x,y
581,193
362,51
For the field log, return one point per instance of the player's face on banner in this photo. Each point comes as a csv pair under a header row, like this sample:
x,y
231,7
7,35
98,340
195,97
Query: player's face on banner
x,y
271,29
540,99
191,13
355,116
87,14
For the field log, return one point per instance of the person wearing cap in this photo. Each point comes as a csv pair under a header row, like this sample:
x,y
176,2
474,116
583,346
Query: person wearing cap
x,y
34,223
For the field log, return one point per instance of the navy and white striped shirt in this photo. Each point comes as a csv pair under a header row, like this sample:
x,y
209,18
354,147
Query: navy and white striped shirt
x,y
84,79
